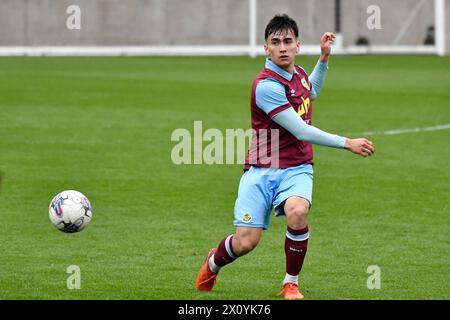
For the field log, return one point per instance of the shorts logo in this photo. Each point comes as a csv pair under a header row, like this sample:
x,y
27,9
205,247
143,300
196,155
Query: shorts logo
x,y
247,217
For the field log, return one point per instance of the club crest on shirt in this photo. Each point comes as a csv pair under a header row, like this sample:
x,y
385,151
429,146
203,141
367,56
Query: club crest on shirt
x,y
306,84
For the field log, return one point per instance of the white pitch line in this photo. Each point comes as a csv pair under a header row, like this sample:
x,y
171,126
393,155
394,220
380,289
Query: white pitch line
x,y
410,130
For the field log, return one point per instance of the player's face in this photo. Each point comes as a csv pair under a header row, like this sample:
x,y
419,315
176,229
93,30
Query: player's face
x,y
281,48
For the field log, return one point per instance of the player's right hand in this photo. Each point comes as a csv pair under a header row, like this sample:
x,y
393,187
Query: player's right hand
x,y
360,146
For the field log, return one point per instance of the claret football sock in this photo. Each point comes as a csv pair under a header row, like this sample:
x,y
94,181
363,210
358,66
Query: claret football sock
x,y
295,247
224,254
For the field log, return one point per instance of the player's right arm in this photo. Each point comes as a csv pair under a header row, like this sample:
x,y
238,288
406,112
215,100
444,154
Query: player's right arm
x,y
270,96
318,74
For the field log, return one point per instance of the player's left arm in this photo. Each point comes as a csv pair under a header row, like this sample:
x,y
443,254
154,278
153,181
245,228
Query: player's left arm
x,y
318,74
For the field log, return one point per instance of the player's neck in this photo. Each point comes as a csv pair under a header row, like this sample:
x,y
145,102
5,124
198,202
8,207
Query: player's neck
x,y
289,68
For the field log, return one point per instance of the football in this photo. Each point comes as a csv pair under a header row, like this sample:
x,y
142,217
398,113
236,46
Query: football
x,y
70,211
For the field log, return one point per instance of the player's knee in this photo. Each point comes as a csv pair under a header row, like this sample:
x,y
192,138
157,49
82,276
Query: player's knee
x,y
298,210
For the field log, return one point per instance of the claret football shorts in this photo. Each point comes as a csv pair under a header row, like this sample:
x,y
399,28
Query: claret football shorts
x,y
264,189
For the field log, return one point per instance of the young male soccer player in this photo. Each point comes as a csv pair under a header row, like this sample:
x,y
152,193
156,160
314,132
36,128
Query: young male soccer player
x,y
281,100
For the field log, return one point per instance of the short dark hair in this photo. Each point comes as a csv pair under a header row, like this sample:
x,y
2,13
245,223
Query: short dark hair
x,y
281,23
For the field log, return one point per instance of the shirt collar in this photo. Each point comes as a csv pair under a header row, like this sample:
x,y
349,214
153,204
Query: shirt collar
x,y
272,66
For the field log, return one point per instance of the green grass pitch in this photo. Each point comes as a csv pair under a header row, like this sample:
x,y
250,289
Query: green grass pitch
x,y
103,126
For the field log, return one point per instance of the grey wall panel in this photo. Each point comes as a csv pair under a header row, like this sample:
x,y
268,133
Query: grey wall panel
x,y
393,16
201,22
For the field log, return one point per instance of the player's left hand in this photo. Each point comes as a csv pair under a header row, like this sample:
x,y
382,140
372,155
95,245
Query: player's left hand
x,y
325,45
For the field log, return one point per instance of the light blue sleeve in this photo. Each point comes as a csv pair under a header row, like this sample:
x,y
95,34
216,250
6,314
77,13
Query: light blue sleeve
x,y
291,121
269,95
317,76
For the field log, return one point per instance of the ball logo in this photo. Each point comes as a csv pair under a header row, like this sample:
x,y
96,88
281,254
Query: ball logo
x,y
247,217
57,207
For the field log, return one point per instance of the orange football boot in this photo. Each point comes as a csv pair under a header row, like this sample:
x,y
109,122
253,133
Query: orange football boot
x,y
206,279
291,292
